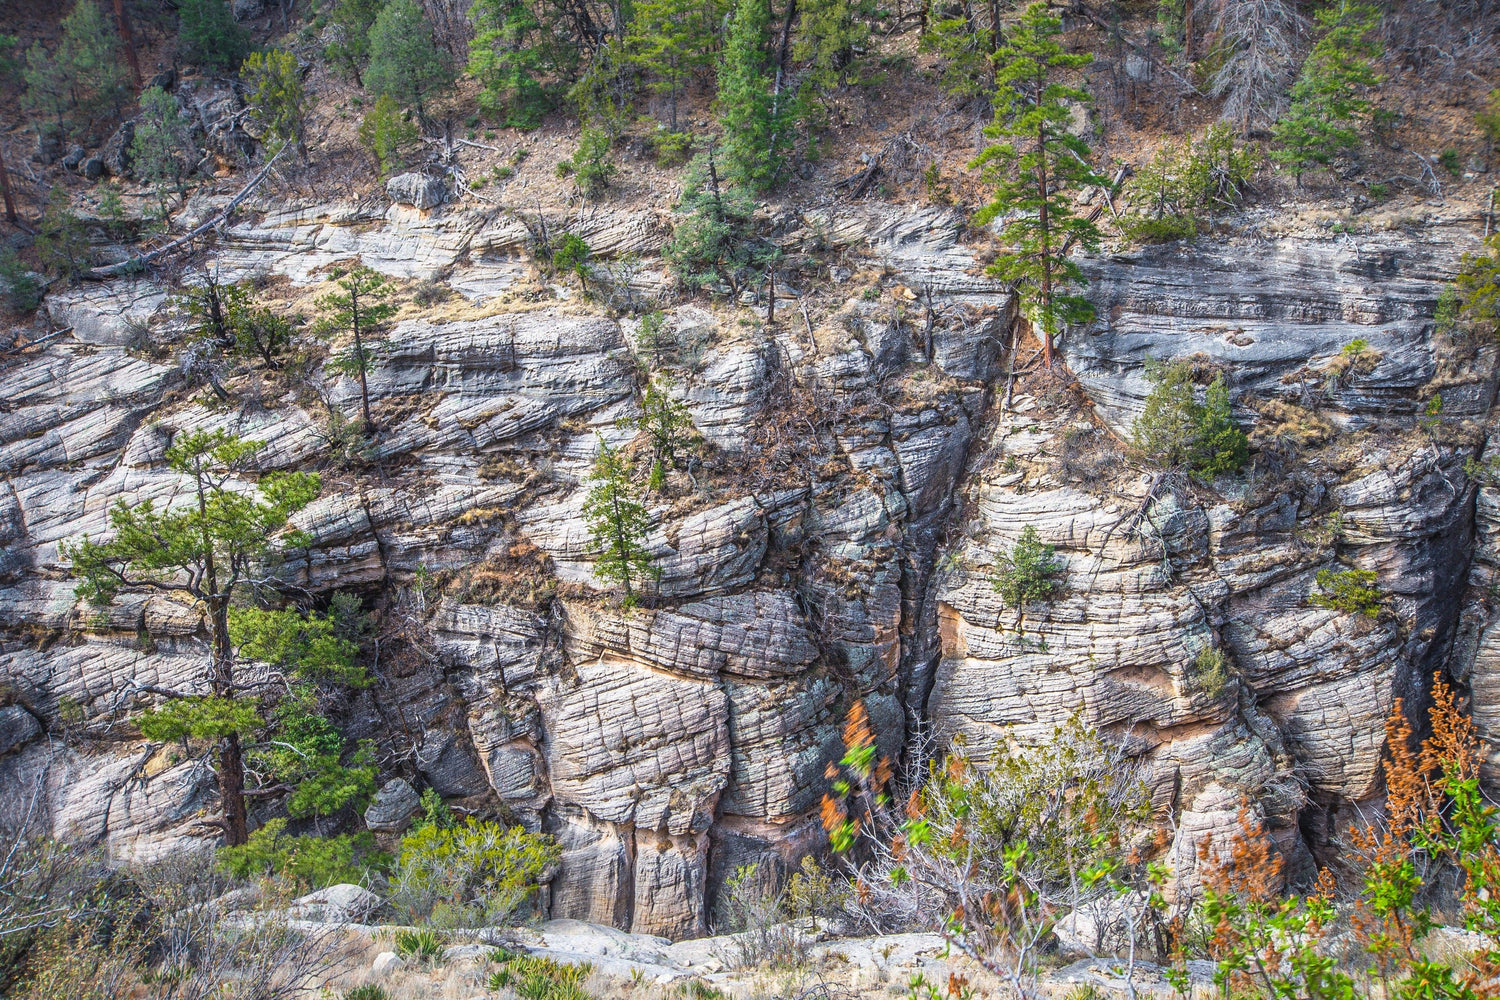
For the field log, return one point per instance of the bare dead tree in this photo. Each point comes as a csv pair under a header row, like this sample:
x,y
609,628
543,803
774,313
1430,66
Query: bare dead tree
x,y
1261,38
450,25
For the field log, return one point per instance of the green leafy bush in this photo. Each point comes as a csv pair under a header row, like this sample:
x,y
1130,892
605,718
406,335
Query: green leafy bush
x,y
1165,229
368,991
1352,591
23,293
1176,430
592,166
1184,181
570,255
309,861
482,871
1210,673
671,148
208,35
385,132
277,99
1028,573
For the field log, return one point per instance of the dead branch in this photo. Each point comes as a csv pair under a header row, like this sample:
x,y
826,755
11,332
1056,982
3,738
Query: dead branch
x,y
140,261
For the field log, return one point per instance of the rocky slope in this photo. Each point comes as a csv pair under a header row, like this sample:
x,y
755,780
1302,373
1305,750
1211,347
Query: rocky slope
x,y
870,459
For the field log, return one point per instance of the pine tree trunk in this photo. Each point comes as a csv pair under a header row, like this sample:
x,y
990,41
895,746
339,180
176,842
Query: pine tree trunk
x,y
123,23
1045,224
359,361
232,791
10,203
621,546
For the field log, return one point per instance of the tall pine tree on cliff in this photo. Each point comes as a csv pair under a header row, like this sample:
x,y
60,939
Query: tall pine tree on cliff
x,y
1037,172
218,549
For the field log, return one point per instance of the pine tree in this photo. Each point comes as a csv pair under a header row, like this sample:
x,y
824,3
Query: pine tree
x,y
84,78
832,33
667,423
714,239
62,241
617,523
385,132
966,49
361,307
757,122
405,60
216,549
670,41
278,102
207,34
1035,174
349,26
1326,101
163,141
508,58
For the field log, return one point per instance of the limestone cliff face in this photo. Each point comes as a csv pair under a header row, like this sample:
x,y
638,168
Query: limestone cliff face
x,y
867,472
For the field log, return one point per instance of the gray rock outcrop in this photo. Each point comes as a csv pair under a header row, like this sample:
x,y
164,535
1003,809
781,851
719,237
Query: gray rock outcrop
x,y
417,190
836,542
393,807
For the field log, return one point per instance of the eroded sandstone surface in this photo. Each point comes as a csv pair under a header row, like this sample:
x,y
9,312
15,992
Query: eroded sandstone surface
x,y
870,459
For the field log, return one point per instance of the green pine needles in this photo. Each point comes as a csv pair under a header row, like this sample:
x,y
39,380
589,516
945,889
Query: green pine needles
x,y
758,119
362,306
1327,100
1176,430
219,549
1028,574
618,523
406,62
1035,172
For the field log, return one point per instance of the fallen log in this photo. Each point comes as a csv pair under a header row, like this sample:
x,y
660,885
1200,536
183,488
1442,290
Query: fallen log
x,y
139,261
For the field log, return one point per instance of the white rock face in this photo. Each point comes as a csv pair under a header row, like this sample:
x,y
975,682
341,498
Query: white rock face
x,y
835,541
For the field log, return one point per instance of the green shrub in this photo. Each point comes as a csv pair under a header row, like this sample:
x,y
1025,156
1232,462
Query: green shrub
x,y
592,166
481,870
672,148
208,35
369,991
1167,229
536,977
570,255
385,132
1449,160
1028,573
309,861
1175,430
1489,118
1210,672
1352,591
1183,181
23,293
277,99
422,944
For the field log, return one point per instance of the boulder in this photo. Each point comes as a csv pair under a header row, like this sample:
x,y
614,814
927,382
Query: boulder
x,y
74,159
92,169
417,190
48,149
17,728
385,963
116,152
245,10
392,808
337,904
